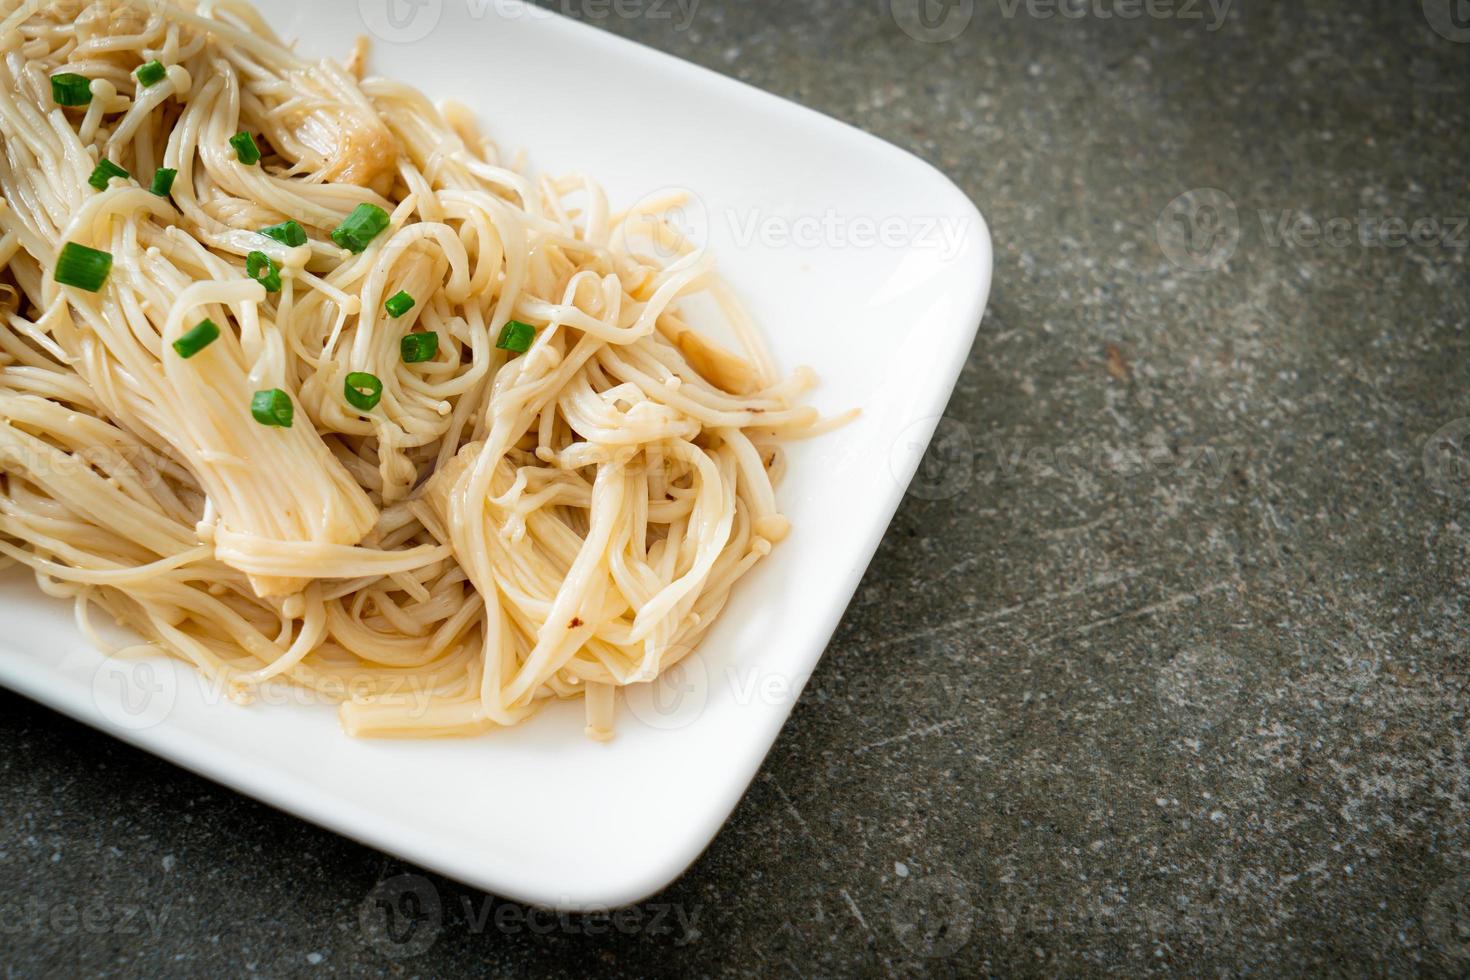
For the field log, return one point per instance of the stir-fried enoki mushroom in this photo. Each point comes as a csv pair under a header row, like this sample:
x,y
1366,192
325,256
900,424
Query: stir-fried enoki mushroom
x,y
302,383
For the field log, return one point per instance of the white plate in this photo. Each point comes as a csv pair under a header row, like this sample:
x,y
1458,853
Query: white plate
x,y
790,200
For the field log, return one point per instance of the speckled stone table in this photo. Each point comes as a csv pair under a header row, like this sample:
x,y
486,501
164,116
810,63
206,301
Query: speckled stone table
x,y
1174,617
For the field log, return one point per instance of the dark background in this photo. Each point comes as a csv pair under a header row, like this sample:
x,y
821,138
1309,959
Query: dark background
x,y
1171,633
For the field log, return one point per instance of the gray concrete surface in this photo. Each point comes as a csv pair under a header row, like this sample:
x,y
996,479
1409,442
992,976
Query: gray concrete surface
x,y
1175,613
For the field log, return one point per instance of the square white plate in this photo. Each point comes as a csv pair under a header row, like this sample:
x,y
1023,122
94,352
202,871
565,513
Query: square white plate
x,y
855,257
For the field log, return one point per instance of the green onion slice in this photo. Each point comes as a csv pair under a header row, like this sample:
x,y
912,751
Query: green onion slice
x,y
245,149
366,222
398,304
417,347
272,408
263,269
195,340
82,267
516,336
163,181
287,233
363,391
71,89
105,171
151,73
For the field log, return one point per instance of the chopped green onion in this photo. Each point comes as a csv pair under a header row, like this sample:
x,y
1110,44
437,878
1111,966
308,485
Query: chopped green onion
x,y
362,390
263,269
365,223
416,347
71,89
163,181
516,336
272,408
82,267
398,304
105,171
151,73
245,149
191,343
287,233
